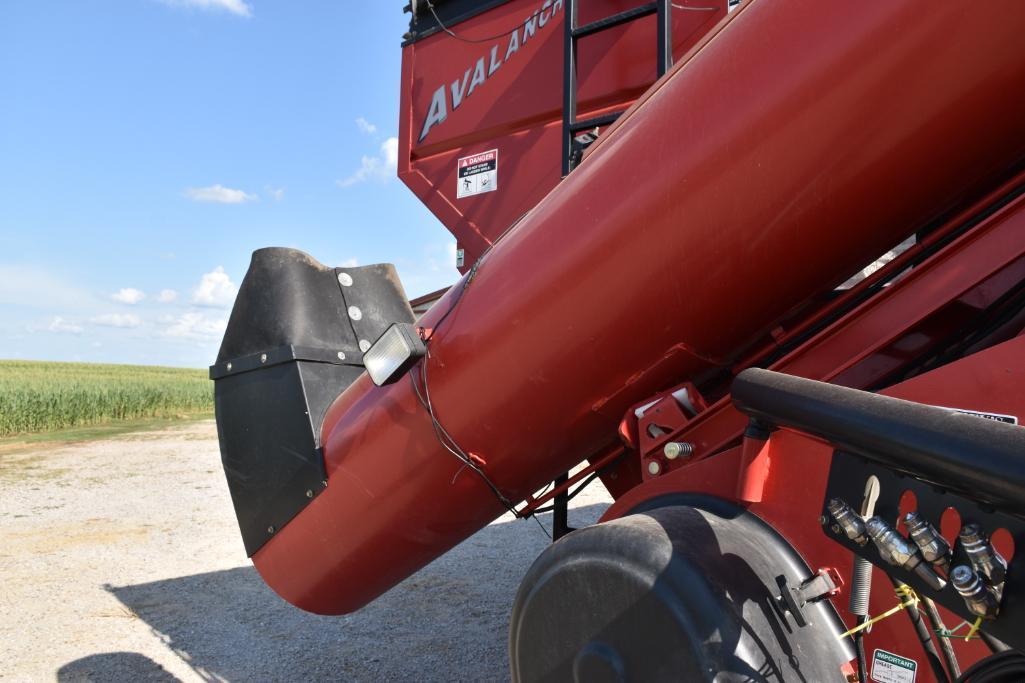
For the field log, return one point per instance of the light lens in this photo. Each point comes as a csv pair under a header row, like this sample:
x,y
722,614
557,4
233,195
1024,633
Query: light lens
x,y
393,353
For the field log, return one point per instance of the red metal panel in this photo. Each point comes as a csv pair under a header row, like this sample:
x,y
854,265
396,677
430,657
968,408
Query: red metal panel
x,y
819,142
518,108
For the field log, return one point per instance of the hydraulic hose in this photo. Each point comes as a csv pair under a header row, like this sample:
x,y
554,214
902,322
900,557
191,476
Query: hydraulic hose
x,y
931,653
938,627
995,645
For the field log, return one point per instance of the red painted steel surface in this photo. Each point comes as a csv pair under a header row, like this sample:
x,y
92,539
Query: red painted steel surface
x,y
853,349
796,145
518,108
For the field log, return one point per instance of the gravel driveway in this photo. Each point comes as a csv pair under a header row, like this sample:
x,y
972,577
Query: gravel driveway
x,y
120,560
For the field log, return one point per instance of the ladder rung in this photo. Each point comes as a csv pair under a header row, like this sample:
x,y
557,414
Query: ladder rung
x,y
595,121
615,20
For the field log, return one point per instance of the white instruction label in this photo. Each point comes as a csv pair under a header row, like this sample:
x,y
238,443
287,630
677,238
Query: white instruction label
x,y
477,174
890,668
995,417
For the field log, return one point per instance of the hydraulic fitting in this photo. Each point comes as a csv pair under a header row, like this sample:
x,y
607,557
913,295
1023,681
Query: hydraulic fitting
x,y
986,561
933,546
848,520
901,552
977,595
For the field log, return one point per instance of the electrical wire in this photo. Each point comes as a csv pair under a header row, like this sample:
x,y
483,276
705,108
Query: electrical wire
x,y
572,494
450,444
859,649
446,29
488,39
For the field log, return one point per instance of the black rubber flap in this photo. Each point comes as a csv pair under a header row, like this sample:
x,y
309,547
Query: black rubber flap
x,y
672,594
293,344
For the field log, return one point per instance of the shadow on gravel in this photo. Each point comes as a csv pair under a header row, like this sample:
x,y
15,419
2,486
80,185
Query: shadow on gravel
x,y
115,666
447,622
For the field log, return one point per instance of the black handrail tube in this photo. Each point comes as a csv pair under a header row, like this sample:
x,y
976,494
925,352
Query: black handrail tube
x,y
983,458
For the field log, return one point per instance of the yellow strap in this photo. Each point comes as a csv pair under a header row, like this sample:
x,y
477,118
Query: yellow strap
x,y
903,591
973,629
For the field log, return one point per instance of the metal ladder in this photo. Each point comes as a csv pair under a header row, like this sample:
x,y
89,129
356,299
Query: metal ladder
x,y
572,129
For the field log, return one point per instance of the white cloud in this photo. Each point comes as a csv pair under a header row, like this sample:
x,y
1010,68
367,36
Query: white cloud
x,y
126,320
349,263
365,126
166,296
195,325
214,289
238,7
59,324
128,295
219,194
277,194
381,167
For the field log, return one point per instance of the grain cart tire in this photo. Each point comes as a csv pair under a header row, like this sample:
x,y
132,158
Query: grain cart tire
x,y
673,593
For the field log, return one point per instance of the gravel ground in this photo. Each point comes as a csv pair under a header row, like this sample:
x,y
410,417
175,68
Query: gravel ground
x,y
120,560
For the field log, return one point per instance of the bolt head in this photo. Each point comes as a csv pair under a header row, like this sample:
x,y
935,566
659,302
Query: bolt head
x,y
654,468
229,367
309,493
677,449
355,313
341,355
364,345
263,357
270,530
345,280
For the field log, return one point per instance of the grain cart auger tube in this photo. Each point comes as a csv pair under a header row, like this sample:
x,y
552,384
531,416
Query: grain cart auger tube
x,y
630,250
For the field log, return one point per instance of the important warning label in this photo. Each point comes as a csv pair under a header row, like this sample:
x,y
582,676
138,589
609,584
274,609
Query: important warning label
x,y
477,174
890,668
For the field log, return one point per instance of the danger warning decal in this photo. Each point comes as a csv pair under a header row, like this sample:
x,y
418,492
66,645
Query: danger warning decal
x,y
477,174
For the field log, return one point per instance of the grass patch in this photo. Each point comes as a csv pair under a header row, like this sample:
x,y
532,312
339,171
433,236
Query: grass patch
x,y
13,445
75,401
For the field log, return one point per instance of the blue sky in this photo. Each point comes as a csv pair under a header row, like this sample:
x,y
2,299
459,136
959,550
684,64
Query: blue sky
x,y
147,147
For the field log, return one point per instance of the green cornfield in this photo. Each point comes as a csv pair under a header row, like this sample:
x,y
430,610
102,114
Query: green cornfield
x,y
40,396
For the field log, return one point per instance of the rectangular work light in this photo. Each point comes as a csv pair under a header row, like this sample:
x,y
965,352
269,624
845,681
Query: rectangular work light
x,y
393,353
